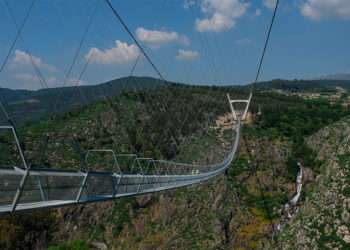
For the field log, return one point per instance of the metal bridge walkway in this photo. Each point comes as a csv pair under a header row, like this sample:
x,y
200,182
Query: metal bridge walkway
x,y
32,187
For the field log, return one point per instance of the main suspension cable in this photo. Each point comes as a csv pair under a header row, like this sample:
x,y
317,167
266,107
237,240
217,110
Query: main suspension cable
x,y
256,163
35,66
265,45
4,63
120,19
76,55
17,36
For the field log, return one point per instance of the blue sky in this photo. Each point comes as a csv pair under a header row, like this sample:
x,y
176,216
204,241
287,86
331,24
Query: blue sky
x,y
199,42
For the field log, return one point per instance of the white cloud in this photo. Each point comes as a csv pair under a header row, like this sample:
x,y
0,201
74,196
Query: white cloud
x,y
216,23
189,3
159,37
270,4
221,15
326,9
26,77
187,54
121,53
31,81
23,59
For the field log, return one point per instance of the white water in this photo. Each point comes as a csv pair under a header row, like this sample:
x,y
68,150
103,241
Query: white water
x,y
290,208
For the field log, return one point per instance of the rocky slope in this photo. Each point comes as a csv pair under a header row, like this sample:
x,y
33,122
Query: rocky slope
x,y
324,219
234,211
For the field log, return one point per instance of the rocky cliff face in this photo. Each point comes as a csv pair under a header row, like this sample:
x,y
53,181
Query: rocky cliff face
x,y
324,219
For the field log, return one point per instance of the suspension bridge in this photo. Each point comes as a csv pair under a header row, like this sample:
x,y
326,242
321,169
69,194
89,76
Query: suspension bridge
x,y
29,187
34,187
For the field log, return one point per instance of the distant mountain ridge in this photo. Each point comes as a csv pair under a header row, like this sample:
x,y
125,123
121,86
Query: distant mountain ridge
x,y
341,76
120,84
28,105
303,85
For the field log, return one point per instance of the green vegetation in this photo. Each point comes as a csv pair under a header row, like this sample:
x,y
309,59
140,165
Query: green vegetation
x,y
26,232
70,245
26,106
120,216
176,122
294,119
301,118
304,85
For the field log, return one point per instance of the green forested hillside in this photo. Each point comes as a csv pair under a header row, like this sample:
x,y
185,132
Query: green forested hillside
x,y
236,210
26,106
303,85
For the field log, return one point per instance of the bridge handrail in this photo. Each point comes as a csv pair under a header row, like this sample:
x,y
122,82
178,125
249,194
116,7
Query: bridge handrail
x,y
115,160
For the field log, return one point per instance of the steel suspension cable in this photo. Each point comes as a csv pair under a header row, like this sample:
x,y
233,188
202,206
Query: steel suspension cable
x,y
134,39
204,44
164,108
120,19
82,40
108,98
69,71
18,33
4,63
76,55
35,67
204,41
37,70
134,66
265,45
249,151
126,28
79,79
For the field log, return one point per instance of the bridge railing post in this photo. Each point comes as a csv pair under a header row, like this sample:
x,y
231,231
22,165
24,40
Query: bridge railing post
x,y
115,164
82,186
25,165
143,171
40,186
115,169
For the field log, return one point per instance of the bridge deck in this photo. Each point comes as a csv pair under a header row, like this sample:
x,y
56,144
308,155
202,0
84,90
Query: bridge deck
x,y
32,188
44,190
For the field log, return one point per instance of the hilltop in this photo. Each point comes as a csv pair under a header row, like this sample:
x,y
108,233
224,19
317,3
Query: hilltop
x,y
32,105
